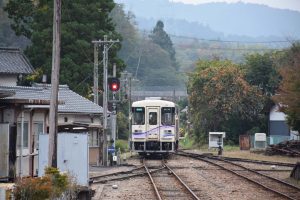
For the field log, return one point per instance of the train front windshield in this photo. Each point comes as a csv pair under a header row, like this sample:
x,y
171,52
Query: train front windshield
x,y
167,116
138,116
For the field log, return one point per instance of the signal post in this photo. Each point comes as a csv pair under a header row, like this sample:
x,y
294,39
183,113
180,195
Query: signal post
x,y
114,86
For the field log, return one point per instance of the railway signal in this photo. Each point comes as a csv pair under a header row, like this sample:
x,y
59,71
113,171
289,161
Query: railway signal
x,y
114,84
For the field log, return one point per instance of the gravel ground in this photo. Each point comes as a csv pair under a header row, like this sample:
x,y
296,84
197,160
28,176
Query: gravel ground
x,y
206,180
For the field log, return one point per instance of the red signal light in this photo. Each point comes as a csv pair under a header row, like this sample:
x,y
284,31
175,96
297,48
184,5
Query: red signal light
x,y
114,84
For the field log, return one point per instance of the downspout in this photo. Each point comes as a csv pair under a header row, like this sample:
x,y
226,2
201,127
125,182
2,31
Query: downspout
x,y
22,146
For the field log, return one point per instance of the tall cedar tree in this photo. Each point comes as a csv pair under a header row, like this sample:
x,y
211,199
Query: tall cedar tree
x,y
81,23
160,37
289,90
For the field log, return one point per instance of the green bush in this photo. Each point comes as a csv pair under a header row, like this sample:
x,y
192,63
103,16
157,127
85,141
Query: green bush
x,y
187,143
50,186
123,145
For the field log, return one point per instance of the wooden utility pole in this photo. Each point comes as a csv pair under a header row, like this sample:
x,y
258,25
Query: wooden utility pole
x,y
52,156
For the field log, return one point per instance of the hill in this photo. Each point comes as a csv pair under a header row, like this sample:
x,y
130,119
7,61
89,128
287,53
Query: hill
x,y
217,20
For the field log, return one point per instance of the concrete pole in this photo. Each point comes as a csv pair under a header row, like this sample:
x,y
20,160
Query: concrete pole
x,y
105,43
105,52
96,74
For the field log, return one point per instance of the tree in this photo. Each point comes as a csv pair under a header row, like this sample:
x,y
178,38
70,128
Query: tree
x,y
261,71
145,60
289,90
81,23
219,95
8,37
160,37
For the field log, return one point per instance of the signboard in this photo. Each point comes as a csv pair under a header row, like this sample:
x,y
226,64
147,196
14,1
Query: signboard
x,y
260,137
115,158
111,150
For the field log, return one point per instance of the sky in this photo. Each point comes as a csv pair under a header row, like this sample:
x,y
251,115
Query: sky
x,y
283,4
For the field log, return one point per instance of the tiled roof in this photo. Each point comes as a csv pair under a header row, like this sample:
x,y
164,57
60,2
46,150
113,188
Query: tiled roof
x,y
73,102
22,92
13,61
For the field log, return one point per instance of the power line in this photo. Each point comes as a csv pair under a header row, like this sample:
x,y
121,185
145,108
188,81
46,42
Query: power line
x,y
235,41
230,41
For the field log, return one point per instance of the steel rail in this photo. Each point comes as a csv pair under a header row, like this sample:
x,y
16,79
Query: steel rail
x,y
152,181
262,162
272,178
116,173
180,180
240,175
125,177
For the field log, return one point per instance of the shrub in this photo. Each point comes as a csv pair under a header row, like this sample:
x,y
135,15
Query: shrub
x,y
122,144
50,186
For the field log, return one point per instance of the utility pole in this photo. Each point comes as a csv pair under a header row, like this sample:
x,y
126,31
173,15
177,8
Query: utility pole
x,y
52,157
127,79
96,74
107,44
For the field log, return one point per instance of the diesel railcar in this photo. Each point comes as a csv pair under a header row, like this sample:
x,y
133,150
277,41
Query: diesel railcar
x,y
154,126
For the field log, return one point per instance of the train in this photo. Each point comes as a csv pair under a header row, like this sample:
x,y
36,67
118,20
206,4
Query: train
x,y
154,126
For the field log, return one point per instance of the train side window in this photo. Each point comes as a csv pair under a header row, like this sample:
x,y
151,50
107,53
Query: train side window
x,y
167,116
152,118
138,116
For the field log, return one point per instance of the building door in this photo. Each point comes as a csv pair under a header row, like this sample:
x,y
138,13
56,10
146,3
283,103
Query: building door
x,y
244,142
152,129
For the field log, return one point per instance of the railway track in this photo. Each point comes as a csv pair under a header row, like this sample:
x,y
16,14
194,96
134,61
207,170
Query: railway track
x,y
262,162
168,185
123,175
272,184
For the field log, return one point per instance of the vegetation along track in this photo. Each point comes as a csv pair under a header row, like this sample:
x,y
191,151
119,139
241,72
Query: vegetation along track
x,y
168,185
272,184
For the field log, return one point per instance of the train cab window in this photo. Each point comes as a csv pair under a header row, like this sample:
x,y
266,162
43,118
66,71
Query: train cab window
x,y
138,116
167,116
152,118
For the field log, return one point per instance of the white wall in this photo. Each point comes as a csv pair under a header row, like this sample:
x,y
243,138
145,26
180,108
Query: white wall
x,y
8,80
276,115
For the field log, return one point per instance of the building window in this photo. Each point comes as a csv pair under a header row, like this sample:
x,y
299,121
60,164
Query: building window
x,y
93,138
38,128
66,119
25,134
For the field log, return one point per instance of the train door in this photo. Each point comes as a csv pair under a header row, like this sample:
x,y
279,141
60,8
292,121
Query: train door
x,y
152,123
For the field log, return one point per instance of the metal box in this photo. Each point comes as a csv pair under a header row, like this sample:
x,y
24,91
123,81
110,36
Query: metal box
x,y
72,155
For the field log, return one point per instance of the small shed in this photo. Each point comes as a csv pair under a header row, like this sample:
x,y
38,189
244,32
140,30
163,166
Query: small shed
x,y
216,139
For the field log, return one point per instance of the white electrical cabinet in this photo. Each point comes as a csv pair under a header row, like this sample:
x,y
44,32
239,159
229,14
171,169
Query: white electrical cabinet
x,y
72,155
216,139
260,141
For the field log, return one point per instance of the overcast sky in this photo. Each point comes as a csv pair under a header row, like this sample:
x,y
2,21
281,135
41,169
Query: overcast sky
x,y
284,4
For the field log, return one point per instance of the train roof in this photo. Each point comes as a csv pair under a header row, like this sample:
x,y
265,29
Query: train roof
x,y
153,102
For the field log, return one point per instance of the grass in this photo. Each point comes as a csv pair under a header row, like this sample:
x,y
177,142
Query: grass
x,y
123,145
186,143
